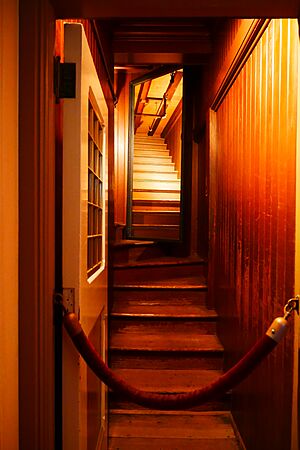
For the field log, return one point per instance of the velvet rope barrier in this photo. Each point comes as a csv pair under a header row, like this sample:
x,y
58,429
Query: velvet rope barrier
x,y
189,399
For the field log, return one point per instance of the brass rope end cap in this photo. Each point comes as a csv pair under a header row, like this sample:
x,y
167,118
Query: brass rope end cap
x,y
278,329
72,324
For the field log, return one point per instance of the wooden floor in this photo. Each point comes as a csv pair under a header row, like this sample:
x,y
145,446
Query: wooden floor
x,y
163,339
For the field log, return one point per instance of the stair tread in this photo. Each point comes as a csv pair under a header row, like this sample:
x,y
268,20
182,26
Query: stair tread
x,y
163,261
159,310
132,243
154,443
168,342
153,190
160,285
169,381
154,226
126,423
176,282
153,211
147,170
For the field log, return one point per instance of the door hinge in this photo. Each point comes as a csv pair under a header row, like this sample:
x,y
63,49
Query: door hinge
x,y
68,299
64,79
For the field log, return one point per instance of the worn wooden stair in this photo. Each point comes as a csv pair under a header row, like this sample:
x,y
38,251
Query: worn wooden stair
x,y
163,339
155,185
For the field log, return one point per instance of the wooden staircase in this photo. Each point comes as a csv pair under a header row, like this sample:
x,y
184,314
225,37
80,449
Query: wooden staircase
x,y
163,339
156,191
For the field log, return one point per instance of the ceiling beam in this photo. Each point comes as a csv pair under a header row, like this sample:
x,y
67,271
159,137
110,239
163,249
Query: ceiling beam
x,y
136,59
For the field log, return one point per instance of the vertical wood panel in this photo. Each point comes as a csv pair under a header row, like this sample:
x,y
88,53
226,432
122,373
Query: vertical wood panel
x,y
36,226
255,227
9,421
121,147
174,143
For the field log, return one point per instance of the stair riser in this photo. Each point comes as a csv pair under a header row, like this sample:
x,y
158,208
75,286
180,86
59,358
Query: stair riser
x,y
138,143
156,184
152,159
166,360
150,152
129,275
171,296
163,327
138,253
154,205
155,233
162,196
116,403
172,176
156,218
166,167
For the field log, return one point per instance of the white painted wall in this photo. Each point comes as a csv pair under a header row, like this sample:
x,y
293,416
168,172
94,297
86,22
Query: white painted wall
x,y
9,434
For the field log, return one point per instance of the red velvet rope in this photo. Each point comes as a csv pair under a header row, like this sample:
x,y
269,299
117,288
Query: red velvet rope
x,y
166,401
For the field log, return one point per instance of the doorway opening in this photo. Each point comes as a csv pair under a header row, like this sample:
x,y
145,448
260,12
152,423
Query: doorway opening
x,y
155,155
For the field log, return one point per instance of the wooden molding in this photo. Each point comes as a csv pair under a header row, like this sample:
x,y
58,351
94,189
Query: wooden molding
x,y
245,41
36,229
9,426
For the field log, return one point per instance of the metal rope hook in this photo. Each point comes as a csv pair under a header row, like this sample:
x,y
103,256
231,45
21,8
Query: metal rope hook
x,y
292,305
279,326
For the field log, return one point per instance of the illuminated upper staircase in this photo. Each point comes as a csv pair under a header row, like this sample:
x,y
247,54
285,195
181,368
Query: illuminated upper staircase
x,y
156,191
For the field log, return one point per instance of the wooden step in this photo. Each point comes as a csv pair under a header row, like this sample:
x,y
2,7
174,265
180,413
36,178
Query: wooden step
x,y
156,205
221,404
161,270
162,184
160,301
156,217
160,168
184,282
134,303
152,160
148,194
134,250
168,381
175,360
140,175
166,341
148,140
157,327
151,152
150,231
152,430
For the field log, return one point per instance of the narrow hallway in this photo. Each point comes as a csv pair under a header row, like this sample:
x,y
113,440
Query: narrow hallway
x,y
163,339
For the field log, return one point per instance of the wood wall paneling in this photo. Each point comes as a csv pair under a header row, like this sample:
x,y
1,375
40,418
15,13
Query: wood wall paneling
x,y
173,138
9,408
254,233
121,147
36,225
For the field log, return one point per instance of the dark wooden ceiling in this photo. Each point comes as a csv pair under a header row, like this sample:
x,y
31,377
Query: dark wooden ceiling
x,y
175,8
161,41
